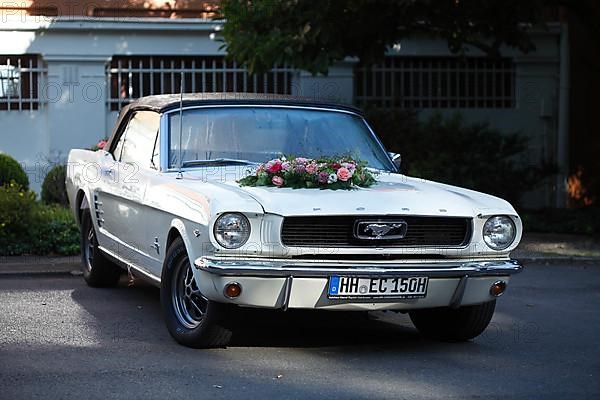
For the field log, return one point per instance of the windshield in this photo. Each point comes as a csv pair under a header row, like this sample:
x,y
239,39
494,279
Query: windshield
x,y
259,134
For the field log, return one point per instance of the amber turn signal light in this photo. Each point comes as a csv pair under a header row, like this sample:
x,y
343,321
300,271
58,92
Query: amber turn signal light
x,y
498,288
232,290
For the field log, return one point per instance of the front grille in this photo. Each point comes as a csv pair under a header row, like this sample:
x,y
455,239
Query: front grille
x,y
338,231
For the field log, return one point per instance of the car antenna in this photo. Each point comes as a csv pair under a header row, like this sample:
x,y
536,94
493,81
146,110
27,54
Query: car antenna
x,y
180,173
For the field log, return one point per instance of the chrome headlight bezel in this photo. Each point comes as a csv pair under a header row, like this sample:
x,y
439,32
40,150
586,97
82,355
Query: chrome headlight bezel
x,y
231,230
499,232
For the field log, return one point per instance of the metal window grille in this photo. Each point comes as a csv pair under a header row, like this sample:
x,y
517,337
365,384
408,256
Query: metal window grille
x,y
20,82
130,77
436,82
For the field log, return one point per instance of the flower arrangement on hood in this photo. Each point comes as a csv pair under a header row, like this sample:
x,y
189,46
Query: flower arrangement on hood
x,y
320,173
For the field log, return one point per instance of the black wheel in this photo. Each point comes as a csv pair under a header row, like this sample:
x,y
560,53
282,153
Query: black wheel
x,y
191,318
454,325
97,270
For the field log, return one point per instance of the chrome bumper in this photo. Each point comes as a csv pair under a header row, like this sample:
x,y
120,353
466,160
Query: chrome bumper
x,y
223,266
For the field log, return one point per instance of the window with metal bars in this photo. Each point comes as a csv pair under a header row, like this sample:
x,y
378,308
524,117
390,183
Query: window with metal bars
x,y
130,77
436,82
20,78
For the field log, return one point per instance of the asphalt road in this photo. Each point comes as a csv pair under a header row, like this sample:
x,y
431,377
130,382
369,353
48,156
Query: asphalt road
x,y
60,339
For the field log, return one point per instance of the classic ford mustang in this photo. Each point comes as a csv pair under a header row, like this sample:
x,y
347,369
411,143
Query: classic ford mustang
x,y
232,200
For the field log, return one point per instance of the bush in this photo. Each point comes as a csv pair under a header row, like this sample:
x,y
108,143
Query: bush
x,y
54,190
29,227
11,171
474,156
16,209
54,231
562,220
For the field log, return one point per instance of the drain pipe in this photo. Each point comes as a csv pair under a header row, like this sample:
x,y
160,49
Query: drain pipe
x,y
562,142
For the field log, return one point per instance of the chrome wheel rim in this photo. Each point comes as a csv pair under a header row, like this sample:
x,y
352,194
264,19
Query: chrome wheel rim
x,y
190,305
88,248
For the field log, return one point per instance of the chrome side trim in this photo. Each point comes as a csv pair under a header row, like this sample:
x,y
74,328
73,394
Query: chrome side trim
x,y
126,264
121,243
304,268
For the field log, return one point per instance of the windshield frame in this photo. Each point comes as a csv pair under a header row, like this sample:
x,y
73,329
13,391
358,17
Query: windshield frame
x,y
165,130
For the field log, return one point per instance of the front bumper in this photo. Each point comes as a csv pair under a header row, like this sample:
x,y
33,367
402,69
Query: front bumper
x,y
284,283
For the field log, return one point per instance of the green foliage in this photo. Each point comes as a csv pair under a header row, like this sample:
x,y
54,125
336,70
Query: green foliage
x,y
312,35
16,209
54,190
580,220
11,170
467,155
29,227
54,231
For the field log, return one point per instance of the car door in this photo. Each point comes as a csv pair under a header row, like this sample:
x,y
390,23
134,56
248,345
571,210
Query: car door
x,y
136,165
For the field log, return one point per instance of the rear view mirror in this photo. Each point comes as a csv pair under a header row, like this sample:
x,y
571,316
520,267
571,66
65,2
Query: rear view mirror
x,y
396,159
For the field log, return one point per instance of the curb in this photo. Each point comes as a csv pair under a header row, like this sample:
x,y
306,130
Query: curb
x,y
39,265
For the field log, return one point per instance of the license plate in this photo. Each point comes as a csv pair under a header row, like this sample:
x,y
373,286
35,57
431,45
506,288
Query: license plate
x,y
346,287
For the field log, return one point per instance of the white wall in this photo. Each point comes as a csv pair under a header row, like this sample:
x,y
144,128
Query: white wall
x,y
21,136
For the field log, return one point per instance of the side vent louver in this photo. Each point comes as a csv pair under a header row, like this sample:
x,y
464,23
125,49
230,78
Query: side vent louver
x,y
98,210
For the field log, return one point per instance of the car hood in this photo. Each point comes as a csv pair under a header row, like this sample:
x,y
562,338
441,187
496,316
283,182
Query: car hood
x,y
392,194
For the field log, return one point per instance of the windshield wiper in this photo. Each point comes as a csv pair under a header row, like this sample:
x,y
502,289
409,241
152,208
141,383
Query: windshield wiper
x,y
216,161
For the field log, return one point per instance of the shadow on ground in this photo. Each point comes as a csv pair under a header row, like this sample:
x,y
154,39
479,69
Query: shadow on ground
x,y
140,306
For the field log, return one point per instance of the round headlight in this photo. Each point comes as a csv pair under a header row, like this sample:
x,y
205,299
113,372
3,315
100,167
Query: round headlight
x,y
499,232
232,230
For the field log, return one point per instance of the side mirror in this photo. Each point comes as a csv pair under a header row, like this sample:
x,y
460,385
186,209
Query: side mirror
x,y
396,159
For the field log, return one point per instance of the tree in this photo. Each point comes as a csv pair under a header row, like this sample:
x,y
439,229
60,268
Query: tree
x,y
313,34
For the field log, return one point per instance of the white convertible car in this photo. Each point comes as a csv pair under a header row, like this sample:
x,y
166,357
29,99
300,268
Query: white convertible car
x,y
191,194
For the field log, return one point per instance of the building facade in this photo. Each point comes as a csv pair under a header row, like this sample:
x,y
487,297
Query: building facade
x,y
65,75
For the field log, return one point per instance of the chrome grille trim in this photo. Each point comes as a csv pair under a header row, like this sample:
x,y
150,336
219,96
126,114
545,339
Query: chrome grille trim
x,y
337,231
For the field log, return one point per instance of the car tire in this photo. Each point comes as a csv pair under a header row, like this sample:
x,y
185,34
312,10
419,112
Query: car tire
x,y
453,325
192,319
98,271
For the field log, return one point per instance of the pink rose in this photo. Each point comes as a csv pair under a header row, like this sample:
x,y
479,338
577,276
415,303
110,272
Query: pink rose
x,y
300,169
350,166
302,160
273,166
277,180
344,174
101,144
286,166
311,168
